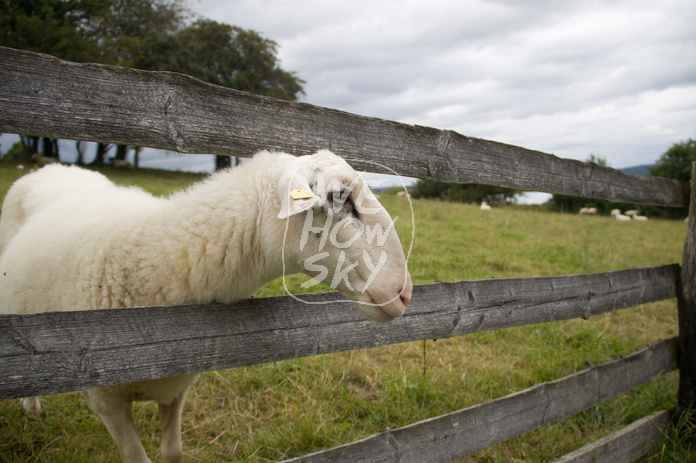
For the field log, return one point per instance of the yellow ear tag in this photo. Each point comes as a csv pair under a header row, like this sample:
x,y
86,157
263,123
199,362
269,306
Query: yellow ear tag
x,y
301,194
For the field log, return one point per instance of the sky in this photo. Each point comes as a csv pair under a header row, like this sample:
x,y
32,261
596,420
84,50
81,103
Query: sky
x,y
616,79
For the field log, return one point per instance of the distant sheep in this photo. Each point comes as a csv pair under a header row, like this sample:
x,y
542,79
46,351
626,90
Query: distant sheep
x,y
122,164
588,211
639,218
43,160
619,216
485,206
70,239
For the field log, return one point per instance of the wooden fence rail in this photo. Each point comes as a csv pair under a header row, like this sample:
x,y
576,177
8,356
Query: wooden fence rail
x,y
48,353
45,96
458,434
626,445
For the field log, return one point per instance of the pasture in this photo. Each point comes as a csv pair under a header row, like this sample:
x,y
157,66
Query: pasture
x,y
275,411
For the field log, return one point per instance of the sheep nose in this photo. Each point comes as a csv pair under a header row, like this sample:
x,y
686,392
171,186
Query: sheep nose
x,y
407,291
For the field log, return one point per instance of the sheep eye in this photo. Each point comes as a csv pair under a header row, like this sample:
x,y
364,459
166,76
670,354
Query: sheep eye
x,y
341,201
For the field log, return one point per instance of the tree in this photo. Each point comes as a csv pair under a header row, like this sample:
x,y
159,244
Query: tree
x,y
462,193
126,30
225,55
151,35
676,162
46,26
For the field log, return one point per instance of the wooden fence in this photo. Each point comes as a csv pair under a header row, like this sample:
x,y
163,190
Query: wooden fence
x,y
50,353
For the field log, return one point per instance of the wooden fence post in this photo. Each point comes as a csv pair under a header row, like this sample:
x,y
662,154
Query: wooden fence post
x,y
687,313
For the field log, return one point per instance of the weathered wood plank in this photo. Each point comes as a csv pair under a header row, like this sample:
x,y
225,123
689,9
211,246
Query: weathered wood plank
x,y
59,352
458,434
687,313
45,96
625,445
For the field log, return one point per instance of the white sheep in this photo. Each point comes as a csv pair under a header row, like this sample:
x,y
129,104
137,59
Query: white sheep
x,y
640,218
485,206
70,239
588,211
619,216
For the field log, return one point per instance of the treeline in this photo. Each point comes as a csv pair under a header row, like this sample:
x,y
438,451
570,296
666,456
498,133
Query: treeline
x,y
463,193
154,35
675,163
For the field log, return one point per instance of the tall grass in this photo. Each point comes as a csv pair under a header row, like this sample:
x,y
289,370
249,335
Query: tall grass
x,y
284,409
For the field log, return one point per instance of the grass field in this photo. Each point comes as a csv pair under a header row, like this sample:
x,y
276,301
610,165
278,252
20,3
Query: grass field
x,y
284,409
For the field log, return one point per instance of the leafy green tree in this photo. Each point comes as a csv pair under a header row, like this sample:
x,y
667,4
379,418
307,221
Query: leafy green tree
x,y
126,30
225,55
15,153
47,26
676,162
146,34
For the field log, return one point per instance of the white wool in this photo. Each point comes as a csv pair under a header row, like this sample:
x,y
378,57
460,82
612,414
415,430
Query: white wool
x,y
120,247
72,240
616,213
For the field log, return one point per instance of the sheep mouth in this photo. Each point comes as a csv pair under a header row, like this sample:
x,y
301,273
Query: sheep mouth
x,y
384,312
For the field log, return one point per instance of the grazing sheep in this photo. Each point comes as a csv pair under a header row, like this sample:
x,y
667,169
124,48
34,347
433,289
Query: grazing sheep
x,y
485,206
620,217
640,218
112,246
122,164
631,213
588,211
43,160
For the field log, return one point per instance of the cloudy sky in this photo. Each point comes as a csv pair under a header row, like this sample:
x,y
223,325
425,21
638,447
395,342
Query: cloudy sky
x,y
615,78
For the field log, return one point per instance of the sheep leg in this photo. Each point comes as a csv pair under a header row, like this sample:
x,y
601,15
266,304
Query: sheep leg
x,y
32,405
118,417
170,418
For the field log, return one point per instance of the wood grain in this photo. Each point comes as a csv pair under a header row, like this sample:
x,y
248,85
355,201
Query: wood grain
x,y
458,434
45,96
687,314
49,353
626,445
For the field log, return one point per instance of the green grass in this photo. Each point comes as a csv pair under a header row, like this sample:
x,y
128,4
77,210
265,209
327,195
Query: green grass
x,y
280,410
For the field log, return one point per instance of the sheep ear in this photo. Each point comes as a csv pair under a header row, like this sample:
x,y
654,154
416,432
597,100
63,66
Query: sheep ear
x,y
295,194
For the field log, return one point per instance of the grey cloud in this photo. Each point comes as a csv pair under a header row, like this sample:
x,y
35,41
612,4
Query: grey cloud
x,y
610,78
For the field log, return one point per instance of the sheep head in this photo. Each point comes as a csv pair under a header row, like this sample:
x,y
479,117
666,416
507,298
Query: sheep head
x,y
338,233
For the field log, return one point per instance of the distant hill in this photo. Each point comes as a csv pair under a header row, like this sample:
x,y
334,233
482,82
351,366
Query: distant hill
x,y
638,170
